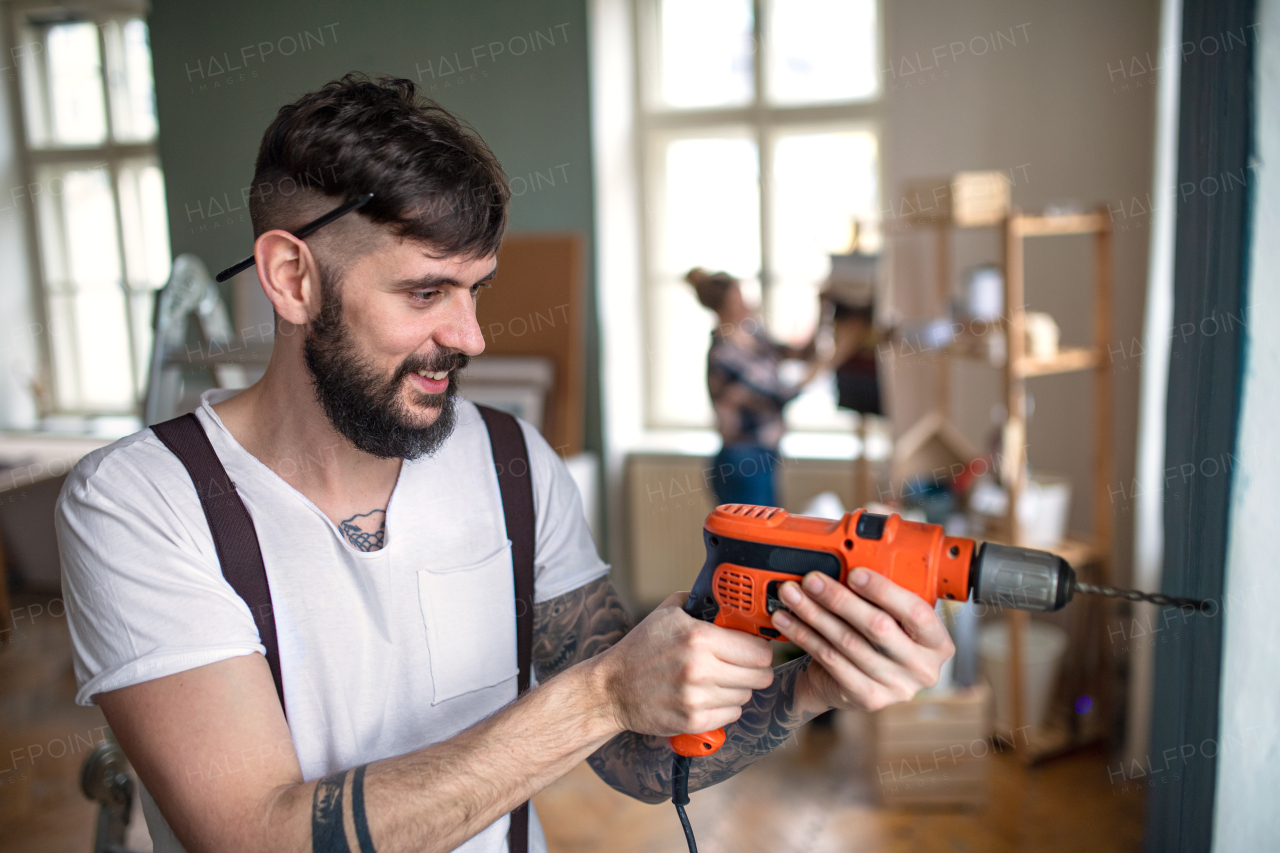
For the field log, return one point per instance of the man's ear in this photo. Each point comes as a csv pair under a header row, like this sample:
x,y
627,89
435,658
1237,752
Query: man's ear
x,y
289,275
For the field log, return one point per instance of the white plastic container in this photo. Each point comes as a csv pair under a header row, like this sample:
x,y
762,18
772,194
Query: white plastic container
x,y
1043,510
1042,648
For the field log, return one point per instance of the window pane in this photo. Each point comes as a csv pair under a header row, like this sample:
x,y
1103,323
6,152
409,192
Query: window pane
x,y
146,250
133,107
81,256
705,53
707,214
146,224
821,51
709,207
89,217
822,184
816,409
29,60
678,356
74,68
103,372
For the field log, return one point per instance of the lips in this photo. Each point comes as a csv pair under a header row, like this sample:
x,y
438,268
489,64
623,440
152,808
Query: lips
x,y
430,382
431,375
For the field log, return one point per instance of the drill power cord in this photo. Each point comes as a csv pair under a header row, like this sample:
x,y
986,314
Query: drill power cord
x,y
680,796
1134,595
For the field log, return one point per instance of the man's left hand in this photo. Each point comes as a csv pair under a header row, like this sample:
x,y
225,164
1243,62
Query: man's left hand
x,y
872,643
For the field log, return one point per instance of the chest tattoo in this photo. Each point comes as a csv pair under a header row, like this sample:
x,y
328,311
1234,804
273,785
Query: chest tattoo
x,y
366,531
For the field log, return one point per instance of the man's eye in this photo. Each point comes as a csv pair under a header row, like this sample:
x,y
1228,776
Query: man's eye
x,y
475,288
424,295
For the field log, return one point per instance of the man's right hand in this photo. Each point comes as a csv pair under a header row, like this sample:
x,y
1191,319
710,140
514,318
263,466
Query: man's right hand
x,y
673,674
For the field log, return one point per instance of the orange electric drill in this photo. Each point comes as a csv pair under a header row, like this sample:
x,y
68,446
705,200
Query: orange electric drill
x,y
752,550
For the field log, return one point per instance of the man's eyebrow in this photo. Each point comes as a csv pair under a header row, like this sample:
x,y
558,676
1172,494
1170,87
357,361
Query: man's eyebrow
x,y
432,280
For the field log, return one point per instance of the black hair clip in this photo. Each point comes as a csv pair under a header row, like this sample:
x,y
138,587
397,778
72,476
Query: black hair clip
x,y
338,212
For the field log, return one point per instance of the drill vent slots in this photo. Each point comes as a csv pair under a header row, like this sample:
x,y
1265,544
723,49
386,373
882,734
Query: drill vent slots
x,y
734,591
752,511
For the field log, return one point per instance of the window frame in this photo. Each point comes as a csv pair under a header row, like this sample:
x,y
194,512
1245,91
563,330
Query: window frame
x,y
111,155
763,123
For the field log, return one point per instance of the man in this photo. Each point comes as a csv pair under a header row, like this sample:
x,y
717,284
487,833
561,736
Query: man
x,y
388,560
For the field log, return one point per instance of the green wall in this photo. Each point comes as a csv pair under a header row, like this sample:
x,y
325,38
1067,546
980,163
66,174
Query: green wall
x,y
516,71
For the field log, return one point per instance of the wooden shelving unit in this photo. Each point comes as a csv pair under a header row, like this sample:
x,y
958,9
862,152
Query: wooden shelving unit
x,y
1091,558
1018,368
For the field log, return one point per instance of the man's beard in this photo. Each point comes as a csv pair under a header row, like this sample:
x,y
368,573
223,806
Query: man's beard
x,y
361,404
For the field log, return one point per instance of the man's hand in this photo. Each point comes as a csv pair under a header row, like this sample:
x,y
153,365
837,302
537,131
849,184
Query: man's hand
x,y
872,643
673,674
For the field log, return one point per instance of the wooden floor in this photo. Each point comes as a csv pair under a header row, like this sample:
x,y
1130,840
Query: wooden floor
x,y
45,737
815,795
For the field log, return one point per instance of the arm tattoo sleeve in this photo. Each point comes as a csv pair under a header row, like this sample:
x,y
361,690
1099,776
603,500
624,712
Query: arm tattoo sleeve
x,y
640,765
582,623
328,827
576,626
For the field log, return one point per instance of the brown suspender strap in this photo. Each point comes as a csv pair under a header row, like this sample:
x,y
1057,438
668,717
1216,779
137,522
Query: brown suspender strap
x,y
240,555
515,484
234,535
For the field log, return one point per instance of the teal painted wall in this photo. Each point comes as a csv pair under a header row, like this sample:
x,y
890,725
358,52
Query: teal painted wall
x,y
516,71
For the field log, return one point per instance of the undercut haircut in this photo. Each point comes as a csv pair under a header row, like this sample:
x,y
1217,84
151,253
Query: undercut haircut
x,y
432,177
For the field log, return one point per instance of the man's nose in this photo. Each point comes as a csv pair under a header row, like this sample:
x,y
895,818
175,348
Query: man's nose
x,y
458,329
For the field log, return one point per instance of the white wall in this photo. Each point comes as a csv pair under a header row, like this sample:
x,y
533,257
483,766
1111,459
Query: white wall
x,y
1053,110
1148,477
1246,817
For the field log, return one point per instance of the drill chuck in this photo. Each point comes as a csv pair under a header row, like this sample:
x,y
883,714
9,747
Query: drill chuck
x,y
1021,578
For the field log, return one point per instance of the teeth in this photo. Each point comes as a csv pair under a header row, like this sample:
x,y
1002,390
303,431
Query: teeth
x,y
438,376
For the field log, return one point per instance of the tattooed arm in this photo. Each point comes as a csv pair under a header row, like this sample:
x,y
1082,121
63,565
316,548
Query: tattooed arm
x,y
640,765
582,623
870,643
213,748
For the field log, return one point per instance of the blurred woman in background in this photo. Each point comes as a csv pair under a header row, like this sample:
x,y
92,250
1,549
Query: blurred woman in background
x,y
746,391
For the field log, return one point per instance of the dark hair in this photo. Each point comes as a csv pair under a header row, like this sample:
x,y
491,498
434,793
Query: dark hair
x,y
712,288
433,178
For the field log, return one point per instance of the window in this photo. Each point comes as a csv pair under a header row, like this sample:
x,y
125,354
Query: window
x,y
760,150
95,185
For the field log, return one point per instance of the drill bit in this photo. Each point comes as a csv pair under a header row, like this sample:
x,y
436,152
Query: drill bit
x,y
1134,595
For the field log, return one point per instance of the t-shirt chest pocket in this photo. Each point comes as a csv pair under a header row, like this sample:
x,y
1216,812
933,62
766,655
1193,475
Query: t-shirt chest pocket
x,y
470,619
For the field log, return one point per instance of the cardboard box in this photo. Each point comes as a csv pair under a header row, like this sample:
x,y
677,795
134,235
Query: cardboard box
x,y
965,199
934,750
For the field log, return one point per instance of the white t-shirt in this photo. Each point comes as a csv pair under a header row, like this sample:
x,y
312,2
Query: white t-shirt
x,y
381,652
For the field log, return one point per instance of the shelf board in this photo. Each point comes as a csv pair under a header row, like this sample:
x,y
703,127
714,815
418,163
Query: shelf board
x,y
1044,226
1066,360
1024,224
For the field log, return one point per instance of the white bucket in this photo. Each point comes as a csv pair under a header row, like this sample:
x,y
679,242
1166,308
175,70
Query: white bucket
x,y
1043,511
1042,648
